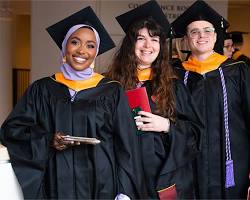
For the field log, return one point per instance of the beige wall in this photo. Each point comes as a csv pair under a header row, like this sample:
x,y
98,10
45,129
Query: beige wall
x,y
21,41
238,16
5,68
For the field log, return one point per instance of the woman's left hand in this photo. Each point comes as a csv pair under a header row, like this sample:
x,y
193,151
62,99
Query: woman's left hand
x,y
60,143
152,122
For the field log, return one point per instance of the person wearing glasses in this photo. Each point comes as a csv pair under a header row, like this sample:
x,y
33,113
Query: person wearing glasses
x,y
220,88
228,47
238,43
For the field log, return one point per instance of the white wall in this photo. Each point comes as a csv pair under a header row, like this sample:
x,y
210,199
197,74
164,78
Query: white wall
x,y
46,55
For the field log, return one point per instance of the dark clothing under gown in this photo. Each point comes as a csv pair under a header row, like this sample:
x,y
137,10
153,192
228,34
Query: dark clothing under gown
x,y
81,172
207,92
242,57
167,157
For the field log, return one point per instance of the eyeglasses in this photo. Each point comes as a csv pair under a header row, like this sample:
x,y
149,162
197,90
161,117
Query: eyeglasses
x,y
228,46
206,32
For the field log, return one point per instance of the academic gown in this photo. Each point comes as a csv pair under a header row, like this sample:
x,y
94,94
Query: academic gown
x,y
176,62
167,157
208,95
81,172
239,56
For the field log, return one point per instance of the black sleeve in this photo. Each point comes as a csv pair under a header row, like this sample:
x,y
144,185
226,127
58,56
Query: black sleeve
x,y
185,134
245,94
27,141
129,168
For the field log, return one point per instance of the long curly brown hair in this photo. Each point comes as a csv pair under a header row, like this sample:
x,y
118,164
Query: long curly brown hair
x,y
124,67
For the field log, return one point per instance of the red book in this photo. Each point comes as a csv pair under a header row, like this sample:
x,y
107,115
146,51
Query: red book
x,y
138,98
248,194
168,193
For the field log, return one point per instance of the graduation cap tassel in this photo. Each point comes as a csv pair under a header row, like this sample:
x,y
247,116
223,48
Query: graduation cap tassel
x,y
222,23
229,174
229,182
170,46
229,163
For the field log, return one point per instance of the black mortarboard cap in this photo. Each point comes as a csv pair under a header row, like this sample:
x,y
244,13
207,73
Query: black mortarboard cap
x,y
237,36
199,10
148,9
222,35
84,16
227,35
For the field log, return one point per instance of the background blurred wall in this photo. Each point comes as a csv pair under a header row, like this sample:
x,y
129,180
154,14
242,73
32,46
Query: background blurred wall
x,y
238,16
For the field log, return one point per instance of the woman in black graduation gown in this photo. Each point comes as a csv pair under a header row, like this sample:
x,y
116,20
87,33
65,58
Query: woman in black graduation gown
x,y
170,134
75,102
220,87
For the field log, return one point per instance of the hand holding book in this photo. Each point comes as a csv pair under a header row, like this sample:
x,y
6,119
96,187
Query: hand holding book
x,y
145,120
152,122
83,140
138,98
61,141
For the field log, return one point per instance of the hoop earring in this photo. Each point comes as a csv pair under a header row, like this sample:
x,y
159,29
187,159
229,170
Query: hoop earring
x,y
92,66
64,60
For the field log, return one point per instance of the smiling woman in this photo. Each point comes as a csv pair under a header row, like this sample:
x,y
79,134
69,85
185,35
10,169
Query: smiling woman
x,y
81,48
147,48
70,126
172,129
